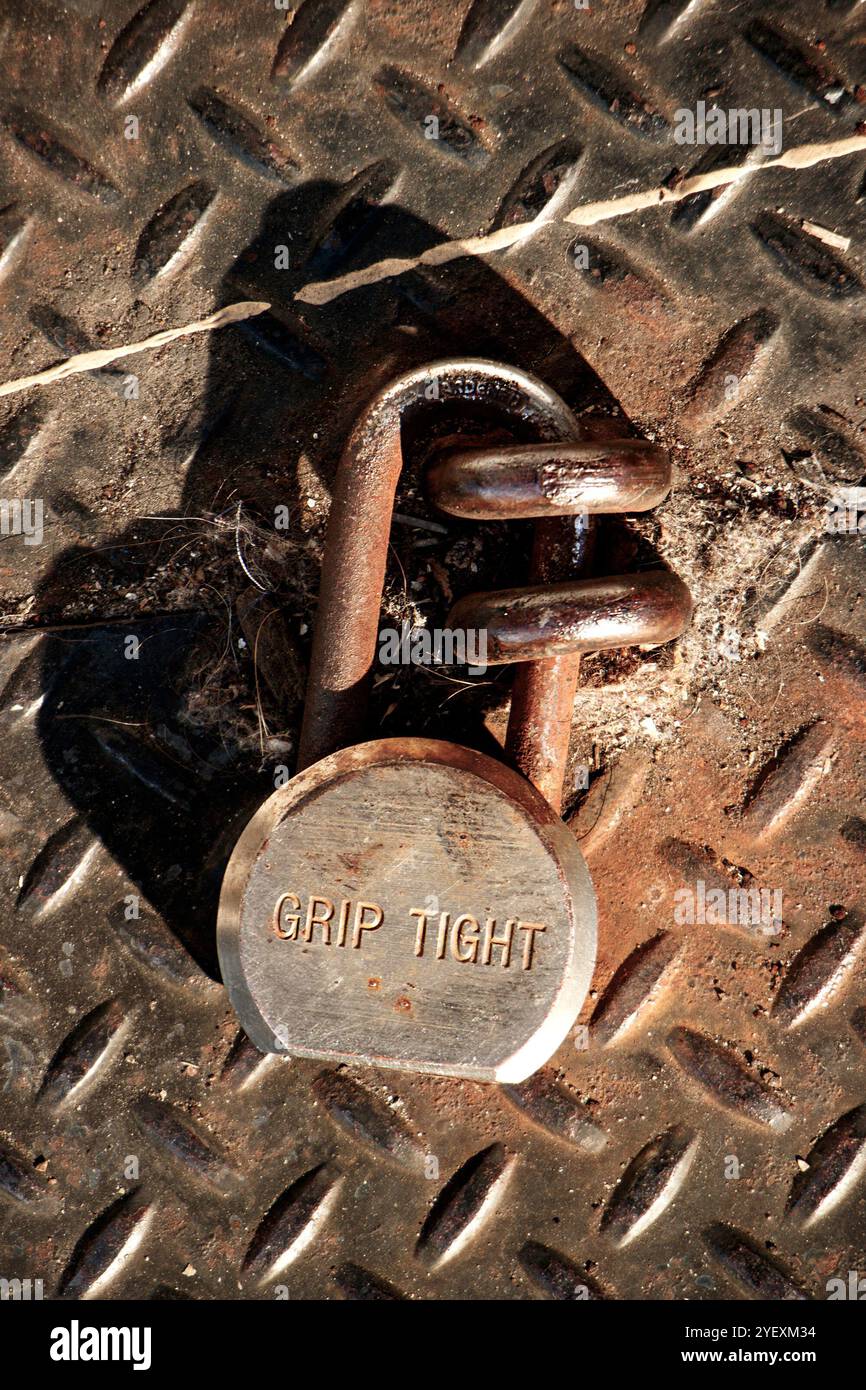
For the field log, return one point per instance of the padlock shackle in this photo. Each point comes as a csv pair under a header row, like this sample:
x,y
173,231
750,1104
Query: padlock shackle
x,y
359,525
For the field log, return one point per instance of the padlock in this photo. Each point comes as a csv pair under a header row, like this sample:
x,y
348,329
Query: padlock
x,y
408,902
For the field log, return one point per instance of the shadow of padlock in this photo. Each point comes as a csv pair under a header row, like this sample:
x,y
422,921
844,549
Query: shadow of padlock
x,y
408,902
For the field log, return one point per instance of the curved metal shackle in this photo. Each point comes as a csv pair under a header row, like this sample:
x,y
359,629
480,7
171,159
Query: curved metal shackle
x,y
567,472
359,526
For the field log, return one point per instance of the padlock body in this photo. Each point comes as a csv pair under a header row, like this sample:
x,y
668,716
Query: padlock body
x,y
409,903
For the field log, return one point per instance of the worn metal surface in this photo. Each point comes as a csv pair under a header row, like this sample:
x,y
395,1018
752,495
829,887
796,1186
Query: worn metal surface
x,y
624,475
124,781
620,610
440,916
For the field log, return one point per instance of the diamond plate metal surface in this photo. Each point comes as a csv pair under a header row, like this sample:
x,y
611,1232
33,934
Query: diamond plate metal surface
x,y
146,1150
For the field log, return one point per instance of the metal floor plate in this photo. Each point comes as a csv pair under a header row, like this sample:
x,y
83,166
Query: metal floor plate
x,y
709,1140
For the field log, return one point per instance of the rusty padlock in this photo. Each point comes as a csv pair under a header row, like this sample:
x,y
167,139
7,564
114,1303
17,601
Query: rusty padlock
x,y
407,902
